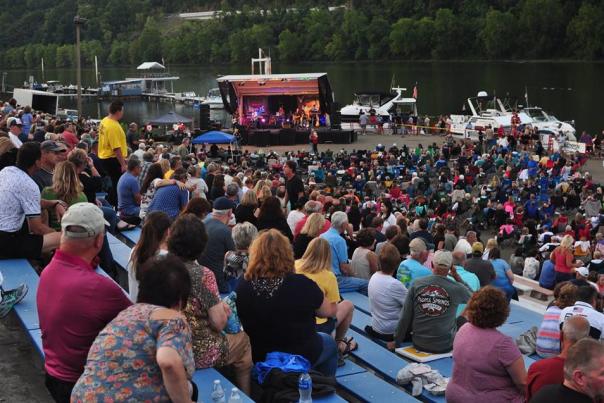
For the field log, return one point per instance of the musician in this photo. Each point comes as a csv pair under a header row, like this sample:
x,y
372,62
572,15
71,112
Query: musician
x,y
281,111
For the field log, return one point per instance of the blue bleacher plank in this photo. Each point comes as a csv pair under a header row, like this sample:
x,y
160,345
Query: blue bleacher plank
x,y
120,251
349,368
528,317
15,272
132,235
359,301
36,337
332,398
204,379
369,388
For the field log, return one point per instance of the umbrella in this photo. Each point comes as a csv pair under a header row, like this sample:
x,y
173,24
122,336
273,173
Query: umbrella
x,y
214,137
170,118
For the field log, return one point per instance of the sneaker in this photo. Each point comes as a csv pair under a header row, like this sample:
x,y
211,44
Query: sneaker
x,y
12,297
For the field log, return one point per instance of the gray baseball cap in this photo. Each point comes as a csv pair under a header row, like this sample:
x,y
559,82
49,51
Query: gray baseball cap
x,y
83,220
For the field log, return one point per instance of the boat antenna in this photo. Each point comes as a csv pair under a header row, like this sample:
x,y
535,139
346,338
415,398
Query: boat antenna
x,y
526,96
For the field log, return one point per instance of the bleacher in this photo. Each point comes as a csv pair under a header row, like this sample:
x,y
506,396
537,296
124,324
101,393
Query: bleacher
x,y
369,374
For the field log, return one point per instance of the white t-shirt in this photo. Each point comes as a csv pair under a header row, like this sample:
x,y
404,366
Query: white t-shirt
x,y
386,298
19,199
531,267
595,318
464,246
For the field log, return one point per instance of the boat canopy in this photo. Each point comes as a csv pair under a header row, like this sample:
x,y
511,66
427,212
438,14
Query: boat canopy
x,y
151,66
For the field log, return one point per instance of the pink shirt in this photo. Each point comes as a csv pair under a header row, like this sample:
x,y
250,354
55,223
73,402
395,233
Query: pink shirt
x,y
480,358
74,305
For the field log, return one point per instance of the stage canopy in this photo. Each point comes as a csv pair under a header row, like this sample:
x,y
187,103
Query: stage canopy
x,y
234,87
214,137
170,118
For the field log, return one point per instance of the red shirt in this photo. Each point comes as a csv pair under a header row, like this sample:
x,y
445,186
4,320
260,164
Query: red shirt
x,y
301,223
549,371
74,305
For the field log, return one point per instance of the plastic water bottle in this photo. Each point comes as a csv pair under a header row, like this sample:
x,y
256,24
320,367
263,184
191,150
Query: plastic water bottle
x,y
217,392
235,396
305,388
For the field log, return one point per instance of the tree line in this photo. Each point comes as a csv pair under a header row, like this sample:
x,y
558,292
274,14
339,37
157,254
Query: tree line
x,y
129,32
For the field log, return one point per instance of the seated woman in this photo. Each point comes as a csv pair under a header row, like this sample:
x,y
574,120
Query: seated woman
x,y
271,216
199,207
159,365
386,295
277,307
66,187
236,261
206,313
487,364
504,277
316,265
364,261
246,210
153,180
312,229
152,242
548,335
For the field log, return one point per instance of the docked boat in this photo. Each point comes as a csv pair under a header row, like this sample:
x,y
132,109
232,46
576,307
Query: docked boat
x,y
214,99
380,104
545,122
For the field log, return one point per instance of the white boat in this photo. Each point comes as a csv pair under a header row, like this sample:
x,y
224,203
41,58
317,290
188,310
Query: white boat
x,y
382,104
484,111
545,122
214,99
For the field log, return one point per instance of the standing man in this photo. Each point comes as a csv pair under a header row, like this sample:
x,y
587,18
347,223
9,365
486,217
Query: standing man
x,y
220,240
74,302
363,120
293,185
113,149
314,142
132,137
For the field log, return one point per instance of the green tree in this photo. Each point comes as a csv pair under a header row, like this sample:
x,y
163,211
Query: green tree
x,y
586,31
499,27
447,35
542,26
289,46
65,56
412,39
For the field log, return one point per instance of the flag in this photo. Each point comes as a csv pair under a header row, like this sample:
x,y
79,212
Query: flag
x,y
415,91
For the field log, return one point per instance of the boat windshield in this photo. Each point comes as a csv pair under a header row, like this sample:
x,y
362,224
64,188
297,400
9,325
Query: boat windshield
x,y
537,115
214,93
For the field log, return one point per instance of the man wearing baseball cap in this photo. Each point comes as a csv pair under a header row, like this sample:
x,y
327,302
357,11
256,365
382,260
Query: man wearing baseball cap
x,y
219,239
429,312
52,153
74,301
15,128
581,275
477,265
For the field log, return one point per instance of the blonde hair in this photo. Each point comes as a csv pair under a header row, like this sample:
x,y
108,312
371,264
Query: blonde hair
x,y
271,256
165,165
491,243
65,182
6,145
317,257
249,199
567,242
78,157
265,193
313,225
259,185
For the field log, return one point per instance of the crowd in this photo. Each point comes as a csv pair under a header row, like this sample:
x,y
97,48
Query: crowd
x,y
244,254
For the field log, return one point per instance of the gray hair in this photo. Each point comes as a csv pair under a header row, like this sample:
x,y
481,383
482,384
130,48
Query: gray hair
x,y
338,220
232,189
243,234
575,328
312,206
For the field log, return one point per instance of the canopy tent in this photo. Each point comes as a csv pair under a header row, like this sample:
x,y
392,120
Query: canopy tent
x,y
170,118
214,137
150,66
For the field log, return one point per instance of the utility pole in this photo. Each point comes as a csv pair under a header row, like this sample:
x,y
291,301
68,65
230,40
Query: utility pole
x,y
78,21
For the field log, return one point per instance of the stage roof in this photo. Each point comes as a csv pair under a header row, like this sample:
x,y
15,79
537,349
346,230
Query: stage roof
x,y
274,84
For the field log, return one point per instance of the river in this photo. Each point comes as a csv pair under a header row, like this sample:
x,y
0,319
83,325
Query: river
x,y
568,90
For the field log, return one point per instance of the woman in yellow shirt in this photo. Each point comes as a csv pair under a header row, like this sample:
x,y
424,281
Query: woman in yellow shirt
x,y
316,265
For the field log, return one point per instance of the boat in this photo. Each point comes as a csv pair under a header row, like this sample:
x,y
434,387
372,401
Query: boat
x,y
547,123
380,104
214,99
484,111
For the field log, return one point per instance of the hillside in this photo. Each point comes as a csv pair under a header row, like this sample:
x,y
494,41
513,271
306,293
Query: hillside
x,y
126,32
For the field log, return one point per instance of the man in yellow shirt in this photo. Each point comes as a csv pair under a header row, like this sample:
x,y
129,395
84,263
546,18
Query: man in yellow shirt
x,y
113,149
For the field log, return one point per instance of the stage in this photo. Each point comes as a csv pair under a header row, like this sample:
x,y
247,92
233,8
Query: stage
x,y
286,137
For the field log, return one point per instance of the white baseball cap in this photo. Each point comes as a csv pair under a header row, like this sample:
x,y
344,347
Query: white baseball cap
x,y
83,220
583,271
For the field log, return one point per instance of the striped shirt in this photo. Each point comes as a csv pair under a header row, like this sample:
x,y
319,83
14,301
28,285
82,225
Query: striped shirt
x,y
548,335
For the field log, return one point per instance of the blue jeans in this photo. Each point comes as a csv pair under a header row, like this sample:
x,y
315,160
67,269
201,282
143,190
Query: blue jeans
x,y
351,284
110,216
327,363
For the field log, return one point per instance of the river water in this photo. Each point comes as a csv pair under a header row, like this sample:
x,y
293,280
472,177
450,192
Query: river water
x,y
568,90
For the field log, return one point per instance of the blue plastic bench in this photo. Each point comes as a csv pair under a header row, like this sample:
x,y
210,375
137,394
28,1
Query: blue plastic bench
x,y
132,235
120,252
15,272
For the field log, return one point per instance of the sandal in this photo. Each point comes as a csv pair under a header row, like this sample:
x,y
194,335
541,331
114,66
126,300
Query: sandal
x,y
124,226
351,346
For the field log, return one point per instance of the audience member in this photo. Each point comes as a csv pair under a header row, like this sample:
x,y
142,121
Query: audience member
x,y
364,261
586,306
236,261
173,198
548,335
128,193
312,229
413,267
482,268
